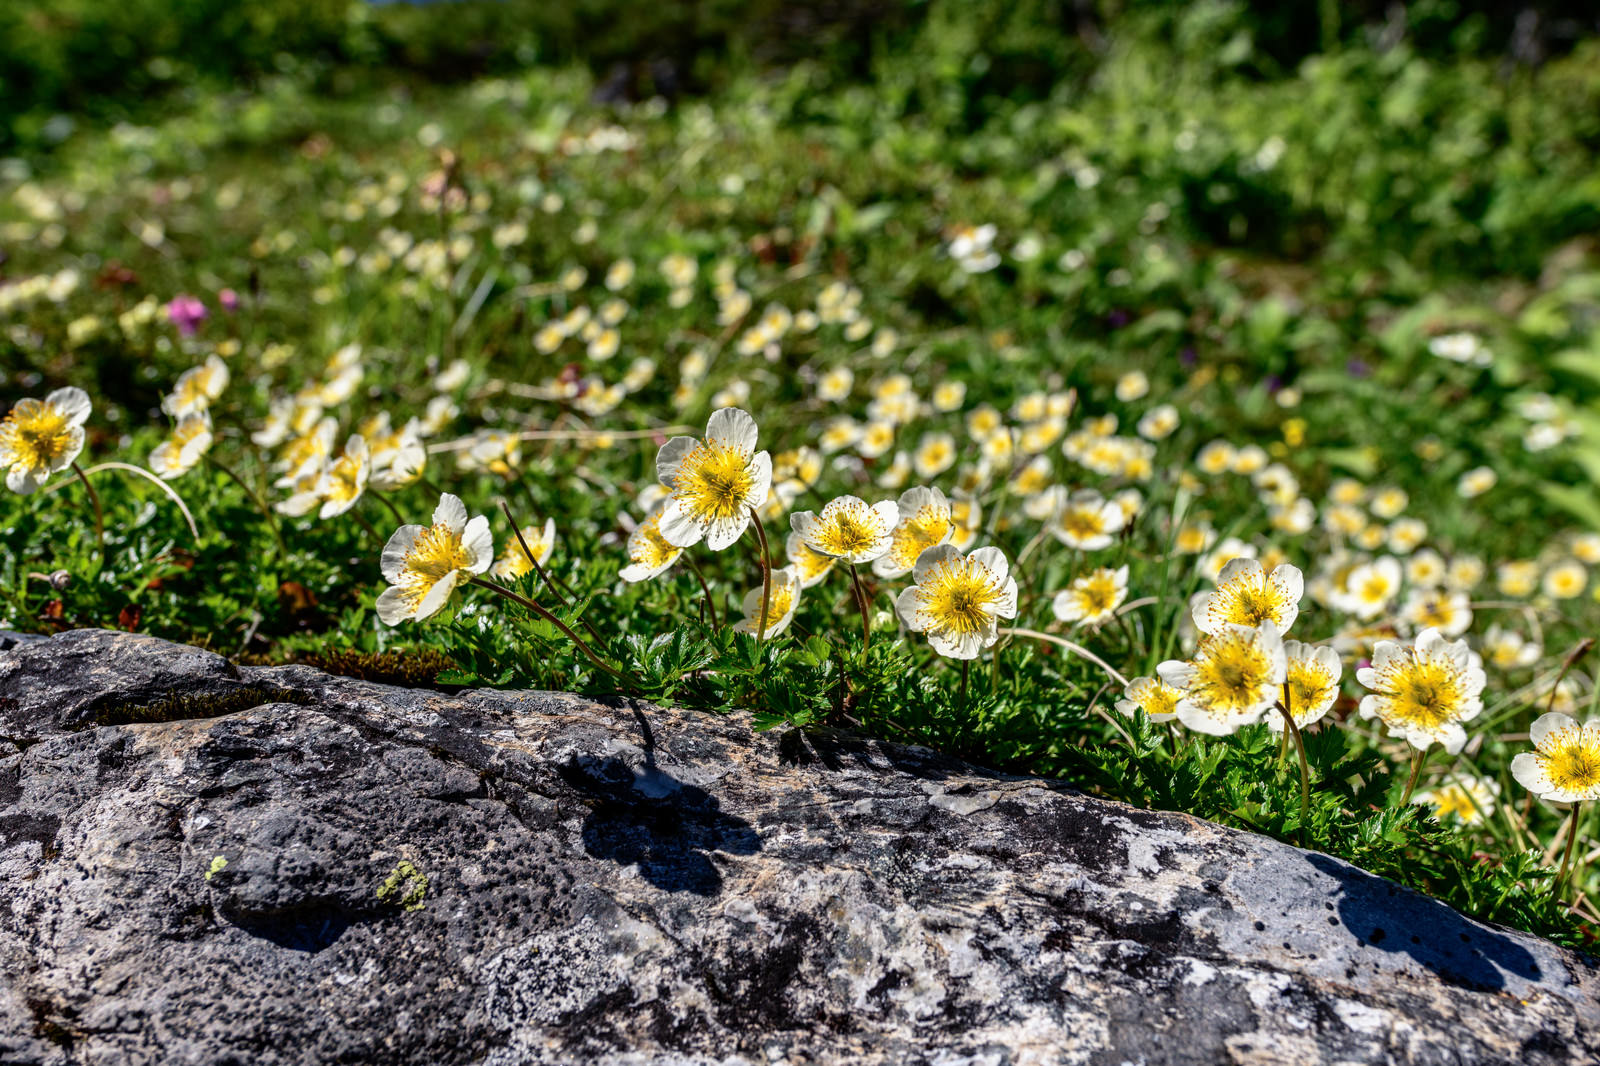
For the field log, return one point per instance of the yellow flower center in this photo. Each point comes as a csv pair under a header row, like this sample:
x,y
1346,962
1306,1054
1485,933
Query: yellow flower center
x,y
778,603
1453,799
923,530
1082,522
1308,685
808,563
1425,693
344,481
1098,594
1155,696
1250,605
1230,673
36,439
190,392
959,598
1434,611
846,533
650,549
1574,766
437,553
714,481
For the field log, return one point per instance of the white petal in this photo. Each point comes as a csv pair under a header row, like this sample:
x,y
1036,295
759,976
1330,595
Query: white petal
x,y
723,531
73,402
761,483
1236,567
1530,774
20,480
932,558
993,560
887,514
438,596
395,551
678,529
392,607
1290,580
732,428
1006,605
1553,723
670,458
478,542
1176,672
905,605
450,512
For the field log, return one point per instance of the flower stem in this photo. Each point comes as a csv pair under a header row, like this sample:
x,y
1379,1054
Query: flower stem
x,y
255,498
1293,729
861,602
547,615
710,603
766,575
533,560
1572,839
966,668
99,515
544,575
1416,774
393,510
373,533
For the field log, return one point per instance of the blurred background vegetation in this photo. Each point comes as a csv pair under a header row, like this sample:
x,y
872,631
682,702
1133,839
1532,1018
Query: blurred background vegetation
x,y
112,59
1427,107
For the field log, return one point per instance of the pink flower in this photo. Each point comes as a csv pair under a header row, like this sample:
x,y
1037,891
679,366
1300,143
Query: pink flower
x,y
228,299
186,312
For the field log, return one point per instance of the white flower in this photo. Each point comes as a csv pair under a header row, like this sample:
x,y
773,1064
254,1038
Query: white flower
x,y
1158,699
1424,692
959,601
1247,595
1564,766
196,388
423,564
649,553
785,597
1369,588
1446,611
848,528
1235,677
924,520
1311,683
345,479
714,483
42,437
178,454
1087,521
1092,598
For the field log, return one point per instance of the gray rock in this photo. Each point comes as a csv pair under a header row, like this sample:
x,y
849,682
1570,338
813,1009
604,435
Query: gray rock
x,y
208,864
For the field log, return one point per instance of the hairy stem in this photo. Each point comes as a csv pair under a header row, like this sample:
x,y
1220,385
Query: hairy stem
x,y
766,575
547,615
99,515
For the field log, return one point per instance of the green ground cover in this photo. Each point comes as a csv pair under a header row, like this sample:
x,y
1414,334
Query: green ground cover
x,y
1186,305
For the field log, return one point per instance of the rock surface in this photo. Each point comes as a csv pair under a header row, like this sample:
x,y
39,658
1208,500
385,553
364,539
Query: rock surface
x,y
208,864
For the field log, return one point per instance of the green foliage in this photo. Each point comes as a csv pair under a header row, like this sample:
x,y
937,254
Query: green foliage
x,y
1273,235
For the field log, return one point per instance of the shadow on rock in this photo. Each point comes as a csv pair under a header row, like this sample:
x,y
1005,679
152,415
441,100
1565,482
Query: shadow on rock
x,y
650,818
1390,918
309,931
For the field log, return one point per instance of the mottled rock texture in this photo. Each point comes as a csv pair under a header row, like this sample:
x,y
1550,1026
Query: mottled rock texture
x,y
208,864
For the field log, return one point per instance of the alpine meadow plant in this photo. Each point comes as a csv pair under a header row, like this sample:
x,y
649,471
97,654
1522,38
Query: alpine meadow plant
x,y
1228,483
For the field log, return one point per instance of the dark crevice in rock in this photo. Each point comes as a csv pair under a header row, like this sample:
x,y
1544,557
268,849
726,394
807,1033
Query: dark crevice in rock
x,y
184,707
